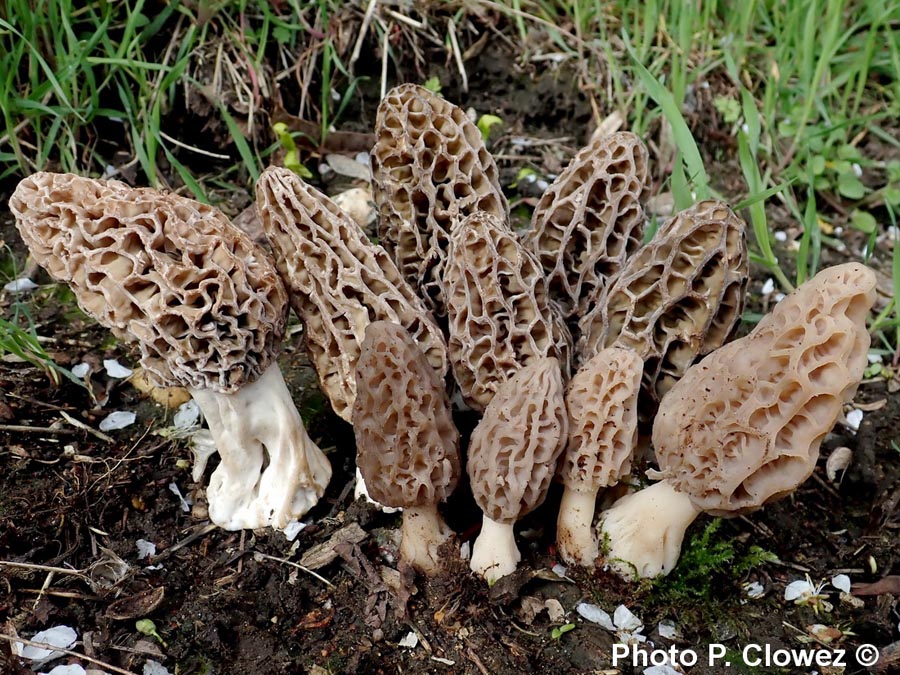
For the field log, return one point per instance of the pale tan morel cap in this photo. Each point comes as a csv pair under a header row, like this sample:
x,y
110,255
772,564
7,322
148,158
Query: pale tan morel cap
x,y
430,169
500,316
743,426
339,282
407,444
591,219
679,297
602,401
515,448
203,301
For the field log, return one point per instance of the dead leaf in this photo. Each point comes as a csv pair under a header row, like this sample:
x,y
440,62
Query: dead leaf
x,y
139,604
890,584
324,554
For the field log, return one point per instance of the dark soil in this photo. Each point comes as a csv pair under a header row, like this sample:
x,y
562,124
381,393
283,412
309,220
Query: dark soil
x,y
236,602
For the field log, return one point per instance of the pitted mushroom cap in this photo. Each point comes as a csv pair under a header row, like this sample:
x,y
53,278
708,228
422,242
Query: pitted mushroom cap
x,y
515,448
591,219
743,426
339,282
500,316
602,403
203,301
407,444
430,169
677,298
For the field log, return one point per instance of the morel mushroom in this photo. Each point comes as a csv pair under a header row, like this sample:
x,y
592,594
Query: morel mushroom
x,y
207,309
512,458
677,298
591,219
500,315
339,282
602,404
407,446
743,427
430,170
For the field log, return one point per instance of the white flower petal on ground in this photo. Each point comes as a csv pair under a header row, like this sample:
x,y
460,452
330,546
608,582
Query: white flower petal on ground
x,y
118,420
62,637
145,548
67,669
155,668
116,370
798,589
754,590
22,285
596,615
768,287
81,370
410,640
667,629
292,529
625,620
854,419
559,570
661,670
185,504
187,416
841,582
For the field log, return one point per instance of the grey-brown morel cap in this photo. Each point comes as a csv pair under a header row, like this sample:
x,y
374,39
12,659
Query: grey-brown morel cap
x,y
743,426
407,444
500,315
339,281
679,297
203,301
430,169
591,219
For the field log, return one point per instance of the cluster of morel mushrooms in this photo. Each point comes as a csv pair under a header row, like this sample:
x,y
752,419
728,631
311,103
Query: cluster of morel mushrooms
x,y
566,337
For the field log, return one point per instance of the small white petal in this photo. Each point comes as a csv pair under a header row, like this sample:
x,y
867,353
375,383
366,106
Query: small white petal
x,y
187,416
661,670
854,419
22,285
145,548
410,640
780,236
596,615
185,505
797,589
116,369
778,297
875,358
768,287
66,669
118,420
754,590
155,668
293,528
560,570
626,620
667,629
58,636
465,551
841,582
857,169
81,370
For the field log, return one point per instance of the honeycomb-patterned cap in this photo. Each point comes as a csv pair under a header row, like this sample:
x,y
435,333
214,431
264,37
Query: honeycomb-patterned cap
x,y
591,219
677,298
430,169
203,301
743,426
339,281
407,445
602,401
499,313
515,448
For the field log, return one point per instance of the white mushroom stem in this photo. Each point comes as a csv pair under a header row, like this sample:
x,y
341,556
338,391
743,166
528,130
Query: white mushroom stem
x,y
575,538
270,471
645,530
421,535
495,553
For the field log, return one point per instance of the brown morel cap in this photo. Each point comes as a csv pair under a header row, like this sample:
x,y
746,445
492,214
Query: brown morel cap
x,y
515,448
407,444
339,282
430,169
677,298
591,219
743,426
499,313
203,301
